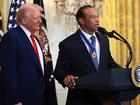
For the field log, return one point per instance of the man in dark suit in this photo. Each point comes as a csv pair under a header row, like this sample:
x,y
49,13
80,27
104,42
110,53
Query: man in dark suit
x,y
24,74
79,56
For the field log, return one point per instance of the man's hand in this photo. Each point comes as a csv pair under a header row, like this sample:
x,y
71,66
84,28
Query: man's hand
x,y
69,81
19,103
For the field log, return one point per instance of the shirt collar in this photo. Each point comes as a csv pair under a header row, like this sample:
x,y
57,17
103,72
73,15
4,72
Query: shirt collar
x,y
25,30
88,35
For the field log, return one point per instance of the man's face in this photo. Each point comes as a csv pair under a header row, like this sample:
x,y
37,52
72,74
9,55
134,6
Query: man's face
x,y
33,20
91,20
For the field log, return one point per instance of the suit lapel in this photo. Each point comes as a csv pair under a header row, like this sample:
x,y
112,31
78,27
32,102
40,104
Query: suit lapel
x,y
102,49
83,50
29,47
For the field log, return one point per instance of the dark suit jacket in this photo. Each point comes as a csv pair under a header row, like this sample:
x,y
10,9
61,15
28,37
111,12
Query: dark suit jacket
x,y
74,59
22,79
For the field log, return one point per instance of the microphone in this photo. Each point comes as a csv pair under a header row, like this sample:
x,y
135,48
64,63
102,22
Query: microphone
x,y
110,34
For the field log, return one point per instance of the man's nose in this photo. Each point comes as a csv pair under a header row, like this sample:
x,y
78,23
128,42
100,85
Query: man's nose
x,y
40,19
97,19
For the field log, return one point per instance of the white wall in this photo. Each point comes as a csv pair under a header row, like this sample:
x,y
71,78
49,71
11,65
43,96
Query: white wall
x,y
57,31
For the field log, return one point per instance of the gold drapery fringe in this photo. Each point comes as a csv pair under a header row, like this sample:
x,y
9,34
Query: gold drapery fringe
x,y
124,17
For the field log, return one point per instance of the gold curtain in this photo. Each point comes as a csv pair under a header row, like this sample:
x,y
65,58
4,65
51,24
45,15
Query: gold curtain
x,y
124,17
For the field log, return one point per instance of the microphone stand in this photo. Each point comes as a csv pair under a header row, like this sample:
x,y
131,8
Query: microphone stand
x,y
128,46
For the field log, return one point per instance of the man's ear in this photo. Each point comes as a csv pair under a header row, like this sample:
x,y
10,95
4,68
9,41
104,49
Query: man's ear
x,y
23,21
81,21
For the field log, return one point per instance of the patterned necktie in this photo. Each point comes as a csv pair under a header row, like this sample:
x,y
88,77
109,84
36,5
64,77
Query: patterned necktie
x,y
35,47
93,53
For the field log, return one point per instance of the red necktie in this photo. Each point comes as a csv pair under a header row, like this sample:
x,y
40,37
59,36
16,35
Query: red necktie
x,y
35,46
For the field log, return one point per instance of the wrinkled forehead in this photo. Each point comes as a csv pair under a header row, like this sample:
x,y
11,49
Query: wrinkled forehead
x,y
31,12
30,9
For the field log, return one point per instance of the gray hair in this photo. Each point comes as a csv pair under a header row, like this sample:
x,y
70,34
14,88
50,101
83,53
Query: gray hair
x,y
24,11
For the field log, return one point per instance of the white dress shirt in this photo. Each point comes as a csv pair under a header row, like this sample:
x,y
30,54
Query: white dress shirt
x,y
38,47
97,43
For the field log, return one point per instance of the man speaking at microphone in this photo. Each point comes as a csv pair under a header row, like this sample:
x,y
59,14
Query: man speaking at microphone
x,y
84,52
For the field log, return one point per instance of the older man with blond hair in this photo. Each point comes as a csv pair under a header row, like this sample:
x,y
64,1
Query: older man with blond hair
x,y
23,68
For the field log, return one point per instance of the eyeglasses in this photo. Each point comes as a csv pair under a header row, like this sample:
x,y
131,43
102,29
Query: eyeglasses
x,y
92,16
36,18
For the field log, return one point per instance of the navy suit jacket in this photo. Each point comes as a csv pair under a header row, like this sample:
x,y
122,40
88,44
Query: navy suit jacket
x,y
74,59
22,79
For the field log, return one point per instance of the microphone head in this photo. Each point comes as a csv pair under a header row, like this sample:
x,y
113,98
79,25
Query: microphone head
x,y
102,30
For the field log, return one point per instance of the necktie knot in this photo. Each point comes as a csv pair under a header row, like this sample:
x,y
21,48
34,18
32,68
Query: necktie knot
x,y
92,38
32,36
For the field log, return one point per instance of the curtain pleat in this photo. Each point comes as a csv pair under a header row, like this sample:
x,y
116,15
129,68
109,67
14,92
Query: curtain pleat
x,y
124,17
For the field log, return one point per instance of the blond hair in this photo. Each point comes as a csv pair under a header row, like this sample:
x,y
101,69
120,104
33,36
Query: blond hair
x,y
25,9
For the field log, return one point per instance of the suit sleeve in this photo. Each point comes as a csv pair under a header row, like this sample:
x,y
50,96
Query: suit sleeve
x,y
62,68
9,69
